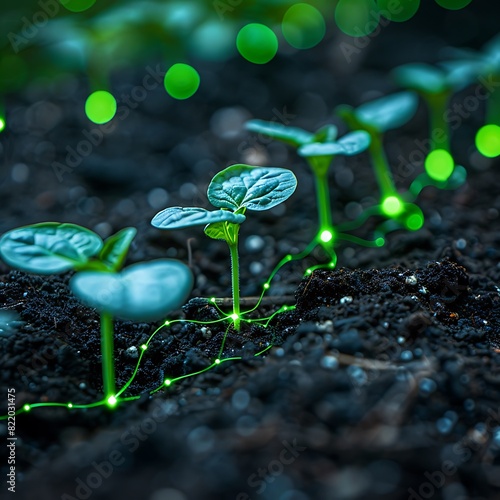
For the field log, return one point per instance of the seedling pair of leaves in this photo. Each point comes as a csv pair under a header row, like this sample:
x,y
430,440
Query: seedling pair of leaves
x,y
142,292
436,85
319,149
233,191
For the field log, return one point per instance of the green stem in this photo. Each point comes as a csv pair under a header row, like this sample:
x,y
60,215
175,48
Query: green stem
x,y
439,127
108,364
323,200
235,276
381,165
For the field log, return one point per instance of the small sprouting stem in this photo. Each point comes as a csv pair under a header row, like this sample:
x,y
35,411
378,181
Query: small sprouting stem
x,y
235,281
108,364
381,165
439,127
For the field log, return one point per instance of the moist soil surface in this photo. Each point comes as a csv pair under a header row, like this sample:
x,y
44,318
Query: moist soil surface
x,y
383,381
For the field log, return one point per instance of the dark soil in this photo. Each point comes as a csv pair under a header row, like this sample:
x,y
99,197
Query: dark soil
x,y
384,382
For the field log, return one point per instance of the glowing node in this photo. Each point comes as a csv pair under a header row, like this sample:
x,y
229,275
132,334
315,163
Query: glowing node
x,y
414,222
392,206
181,81
168,382
26,407
100,107
257,43
439,165
288,257
266,286
488,141
212,300
303,26
234,317
332,264
144,347
167,323
380,242
403,11
70,405
77,5
111,401
285,308
453,4
357,17
217,361
326,236
2,124
309,271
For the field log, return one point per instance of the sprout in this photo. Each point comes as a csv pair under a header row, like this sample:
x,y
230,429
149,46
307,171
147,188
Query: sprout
x,y
234,191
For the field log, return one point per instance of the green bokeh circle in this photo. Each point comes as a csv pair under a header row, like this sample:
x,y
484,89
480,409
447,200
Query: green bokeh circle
x,y
398,11
181,81
257,43
303,26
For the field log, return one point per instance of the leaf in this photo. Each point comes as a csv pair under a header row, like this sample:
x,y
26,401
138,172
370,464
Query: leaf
x,y
255,188
180,217
216,231
116,248
388,112
422,77
351,144
49,247
291,135
142,292
328,133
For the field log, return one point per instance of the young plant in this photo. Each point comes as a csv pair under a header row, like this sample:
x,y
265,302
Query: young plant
x,y
143,292
436,86
233,191
318,149
377,117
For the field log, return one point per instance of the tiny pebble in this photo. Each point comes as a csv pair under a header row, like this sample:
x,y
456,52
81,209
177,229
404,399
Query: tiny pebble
x,y
411,280
346,300
406,355
329,362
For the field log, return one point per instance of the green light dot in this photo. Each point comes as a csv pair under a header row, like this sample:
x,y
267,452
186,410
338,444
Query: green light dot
x,y
234,317
453,4
111,401
70,405
392,206
380,242
217,361
168,382
488,140
266,286
257,43
326,236
309,271
100,107
357,17
77,5
26,407
144,347
398,11
181,81
414,222
2,124
439,165
167,323
303,26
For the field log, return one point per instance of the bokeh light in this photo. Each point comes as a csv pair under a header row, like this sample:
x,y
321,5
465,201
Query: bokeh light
x,y
357,17
453,4
303,26
412,218
398,11
439,165
77,5
100,107
392,206
488,141
2,124
257,43
181,81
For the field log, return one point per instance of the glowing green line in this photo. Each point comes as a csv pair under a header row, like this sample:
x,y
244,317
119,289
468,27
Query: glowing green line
x,y
360,241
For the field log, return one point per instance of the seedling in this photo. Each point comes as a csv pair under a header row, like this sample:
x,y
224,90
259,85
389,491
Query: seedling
x,y
436,86
143,292
319,150
377,117
233,191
